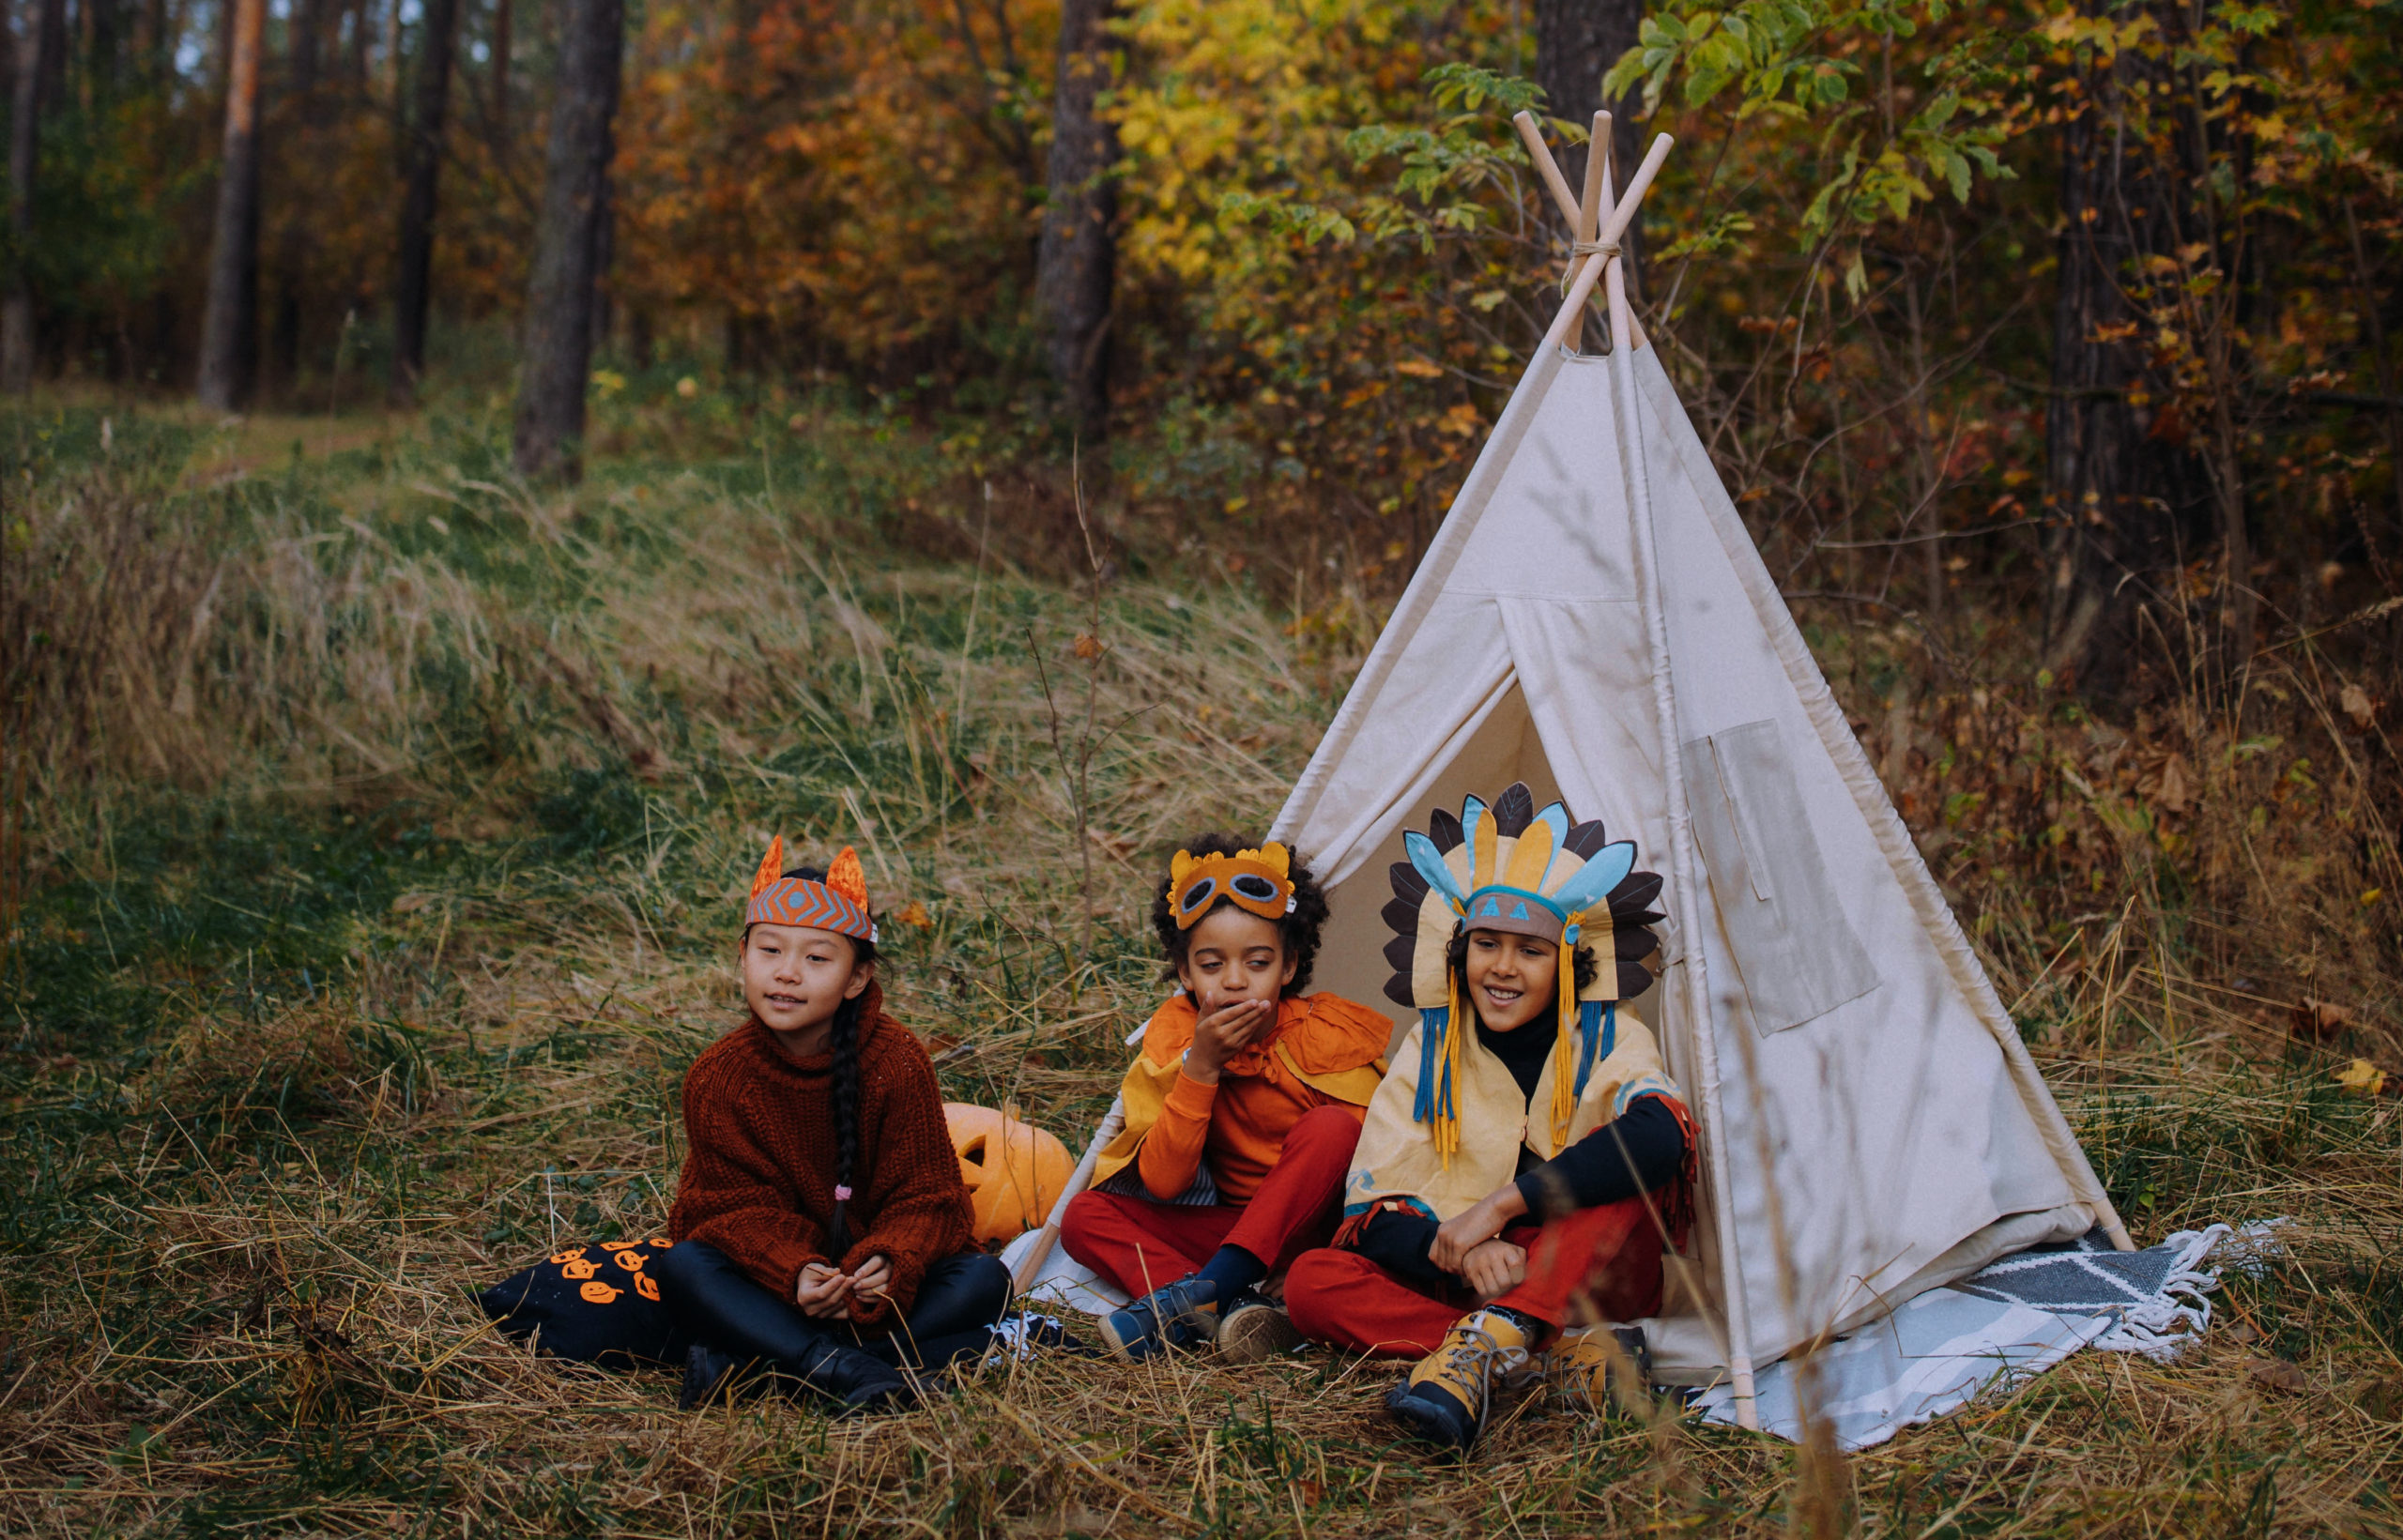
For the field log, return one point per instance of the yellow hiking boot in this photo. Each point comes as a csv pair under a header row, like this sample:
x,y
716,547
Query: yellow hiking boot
x,y
1444,1399
1602,1369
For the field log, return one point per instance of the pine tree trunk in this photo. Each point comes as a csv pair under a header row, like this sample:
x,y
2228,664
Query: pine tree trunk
x,y
2126,495
229,327
1576,43
560,296
412,292
1077,260
45,27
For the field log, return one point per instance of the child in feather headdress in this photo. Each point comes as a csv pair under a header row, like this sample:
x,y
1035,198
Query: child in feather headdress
x,y
820,1224
1528,1155
1241,1111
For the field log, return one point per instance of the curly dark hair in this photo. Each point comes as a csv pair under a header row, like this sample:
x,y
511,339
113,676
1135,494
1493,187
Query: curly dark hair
x,y
845,1048
1298,931
1456,959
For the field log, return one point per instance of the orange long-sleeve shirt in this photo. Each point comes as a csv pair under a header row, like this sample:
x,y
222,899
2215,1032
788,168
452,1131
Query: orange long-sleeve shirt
x,y
1322,1052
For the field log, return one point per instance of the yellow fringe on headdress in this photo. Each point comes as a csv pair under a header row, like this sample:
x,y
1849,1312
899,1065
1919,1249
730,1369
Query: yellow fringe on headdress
x,y
1443,1121
1564,1048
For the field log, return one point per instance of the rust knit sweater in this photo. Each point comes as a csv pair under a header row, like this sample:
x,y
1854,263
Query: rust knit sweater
x,y
758,1179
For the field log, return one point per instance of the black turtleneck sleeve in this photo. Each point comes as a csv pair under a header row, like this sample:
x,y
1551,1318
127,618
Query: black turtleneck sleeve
x,y
1638,1151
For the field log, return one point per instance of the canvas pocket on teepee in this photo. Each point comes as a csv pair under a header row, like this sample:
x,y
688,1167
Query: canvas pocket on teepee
x,y
1796,957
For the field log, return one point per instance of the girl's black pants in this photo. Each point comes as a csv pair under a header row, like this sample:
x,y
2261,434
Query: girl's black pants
x,y
717,1302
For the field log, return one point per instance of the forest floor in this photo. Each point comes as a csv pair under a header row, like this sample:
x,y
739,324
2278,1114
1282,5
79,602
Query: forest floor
x,y
384,882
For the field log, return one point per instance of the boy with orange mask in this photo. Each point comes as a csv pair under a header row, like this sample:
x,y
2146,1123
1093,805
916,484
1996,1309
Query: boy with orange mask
x,y
1241,1111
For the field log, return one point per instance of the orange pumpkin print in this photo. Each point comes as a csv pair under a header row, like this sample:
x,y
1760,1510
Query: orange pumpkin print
x,y
600,1293
631,1260
567,1256
660,1242
579,1269
615,1246
644,1287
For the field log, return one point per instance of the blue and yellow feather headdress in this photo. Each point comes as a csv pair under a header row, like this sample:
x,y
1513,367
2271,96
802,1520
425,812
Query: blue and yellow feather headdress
x,y
1509,867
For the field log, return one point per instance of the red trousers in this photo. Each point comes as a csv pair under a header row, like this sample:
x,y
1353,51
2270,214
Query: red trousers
x,y
1138,1245
1605,1261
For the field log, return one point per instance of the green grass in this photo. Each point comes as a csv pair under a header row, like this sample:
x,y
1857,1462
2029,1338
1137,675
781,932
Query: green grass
x,y
369,974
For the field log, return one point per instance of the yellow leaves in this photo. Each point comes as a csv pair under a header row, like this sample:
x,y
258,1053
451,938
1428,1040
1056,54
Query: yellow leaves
x,y
1245,94
2363,1078
914,915
1419,368
2101,33
1461,419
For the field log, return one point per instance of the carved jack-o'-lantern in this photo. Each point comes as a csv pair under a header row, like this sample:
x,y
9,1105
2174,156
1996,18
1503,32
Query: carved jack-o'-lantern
x,y
1014,1171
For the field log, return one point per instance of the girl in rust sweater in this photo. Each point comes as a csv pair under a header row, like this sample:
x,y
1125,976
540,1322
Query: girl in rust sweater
x,y
821,1228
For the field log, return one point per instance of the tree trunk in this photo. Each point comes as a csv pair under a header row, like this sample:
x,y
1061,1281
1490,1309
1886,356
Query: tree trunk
x,y
306,53
1076,262
1576,43
45,26
501,45
2125,491
103,50
566,244
412,292
229,327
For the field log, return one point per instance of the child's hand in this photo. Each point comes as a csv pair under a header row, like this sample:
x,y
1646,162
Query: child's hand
x,y
1482,1220
1493,1268
823,1292
1218,1036
870,1281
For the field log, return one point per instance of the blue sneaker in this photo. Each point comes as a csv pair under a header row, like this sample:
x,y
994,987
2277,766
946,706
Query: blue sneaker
x,y
1184,1314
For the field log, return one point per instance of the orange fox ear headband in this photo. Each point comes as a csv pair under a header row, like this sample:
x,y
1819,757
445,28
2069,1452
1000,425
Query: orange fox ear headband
x,y
1259,881
839,904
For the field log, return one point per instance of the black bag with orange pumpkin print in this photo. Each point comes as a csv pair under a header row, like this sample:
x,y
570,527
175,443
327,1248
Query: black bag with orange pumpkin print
x,y
594,1304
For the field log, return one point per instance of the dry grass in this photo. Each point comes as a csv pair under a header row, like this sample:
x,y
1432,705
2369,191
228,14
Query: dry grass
x,y
382,872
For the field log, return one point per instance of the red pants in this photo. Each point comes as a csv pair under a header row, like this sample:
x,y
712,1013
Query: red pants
x,y
1138,1245
1606,1260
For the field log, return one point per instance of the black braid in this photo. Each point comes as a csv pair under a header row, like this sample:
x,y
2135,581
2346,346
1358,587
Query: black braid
x,y
846,1046
847,1114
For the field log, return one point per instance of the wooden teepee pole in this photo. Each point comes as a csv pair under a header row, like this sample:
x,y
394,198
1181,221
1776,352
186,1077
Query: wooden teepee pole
x,y
1684,869
1597,197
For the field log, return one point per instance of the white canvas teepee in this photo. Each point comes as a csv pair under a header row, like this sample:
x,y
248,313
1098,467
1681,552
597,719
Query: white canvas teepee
x,y
1594,619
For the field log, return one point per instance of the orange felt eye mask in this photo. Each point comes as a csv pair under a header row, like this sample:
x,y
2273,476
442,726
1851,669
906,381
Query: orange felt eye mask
x,y
1257,881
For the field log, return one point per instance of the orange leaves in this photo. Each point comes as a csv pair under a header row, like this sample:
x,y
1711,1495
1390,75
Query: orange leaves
x,y
860,184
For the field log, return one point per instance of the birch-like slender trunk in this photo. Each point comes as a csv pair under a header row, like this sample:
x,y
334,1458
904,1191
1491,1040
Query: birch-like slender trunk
x,y
1076,264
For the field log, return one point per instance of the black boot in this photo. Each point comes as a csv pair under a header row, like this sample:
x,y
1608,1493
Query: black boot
x,y
851,1380
706,1372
